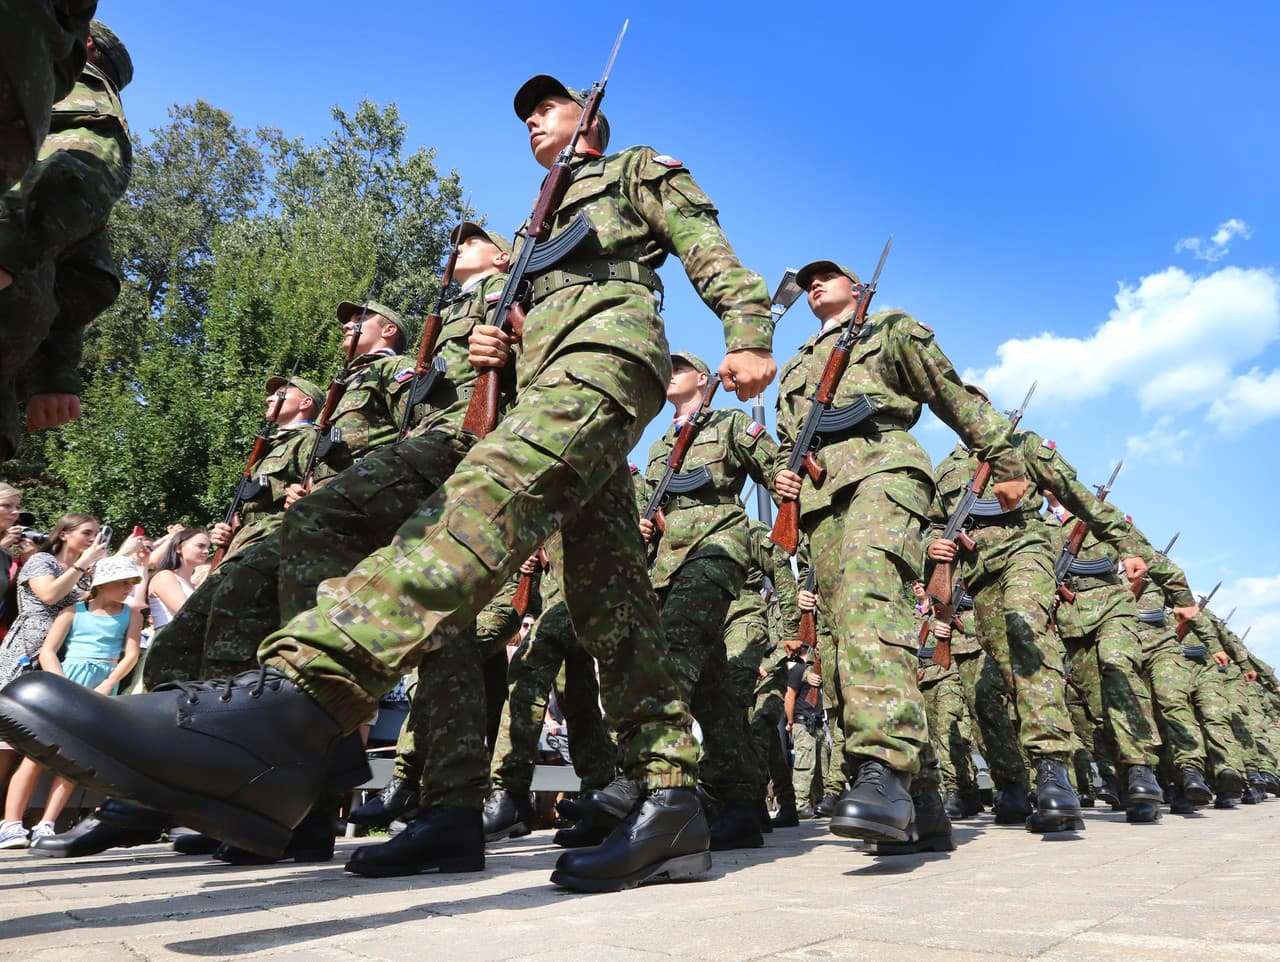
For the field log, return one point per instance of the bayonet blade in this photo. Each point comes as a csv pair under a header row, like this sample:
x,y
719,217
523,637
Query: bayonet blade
x,y
884,255
1229,614
1209,597
1246,634
1027,400
608,68
1172,542
1106,488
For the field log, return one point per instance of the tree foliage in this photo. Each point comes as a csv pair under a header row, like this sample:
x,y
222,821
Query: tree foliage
x,y
235,248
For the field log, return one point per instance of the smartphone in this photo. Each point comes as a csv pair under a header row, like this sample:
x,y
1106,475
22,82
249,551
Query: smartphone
x,y
138,531
104,534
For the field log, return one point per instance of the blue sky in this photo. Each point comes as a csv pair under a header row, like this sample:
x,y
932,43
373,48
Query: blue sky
x,y
1079,193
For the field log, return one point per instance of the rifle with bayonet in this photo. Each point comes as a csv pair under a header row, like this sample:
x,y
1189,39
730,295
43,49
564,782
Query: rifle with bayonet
x,y
333,397
941,589
672,481
426,367
482,413
823,416
784,295
248,486
1185,626
1062,567
1140,585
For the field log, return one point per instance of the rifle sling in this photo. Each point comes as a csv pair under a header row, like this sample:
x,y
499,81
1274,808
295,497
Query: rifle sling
x,y
596,271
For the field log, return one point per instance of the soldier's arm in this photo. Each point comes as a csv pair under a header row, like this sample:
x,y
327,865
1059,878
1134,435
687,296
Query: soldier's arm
x,y
1231,645
1171,580
755,448
683,216
929,377
785,590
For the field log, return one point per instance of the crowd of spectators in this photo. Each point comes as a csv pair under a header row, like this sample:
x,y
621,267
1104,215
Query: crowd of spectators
x,y
71,605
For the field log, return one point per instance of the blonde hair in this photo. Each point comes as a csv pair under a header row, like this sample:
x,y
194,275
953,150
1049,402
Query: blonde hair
x,y
8,491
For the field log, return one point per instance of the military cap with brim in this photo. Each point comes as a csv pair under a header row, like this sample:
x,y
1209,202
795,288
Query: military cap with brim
x,y
536,89
468,229
113,50
804,276
301,383
695,362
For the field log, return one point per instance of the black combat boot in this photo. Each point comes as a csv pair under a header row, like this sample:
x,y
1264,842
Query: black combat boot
x,y
827,807
877,807
665,838
568,808
444,838
953,805
1249,796
737,827
507,815
1011,806
194,843
1258,782
582,834
115,824
972,802
1179,804
1194,788
1143,787
1057,808
613,803
1273,783
312,841
242,759
787,816
762,817
1230,783
397,800
1109,791
932,826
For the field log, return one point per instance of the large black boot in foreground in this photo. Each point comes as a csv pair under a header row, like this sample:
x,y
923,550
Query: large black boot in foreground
x,y
932,829
1057,807
877,807
241,759
664,839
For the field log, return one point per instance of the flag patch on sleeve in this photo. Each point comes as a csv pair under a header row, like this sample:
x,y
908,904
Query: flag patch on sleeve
x,y
1046,443
668,161
491,297
404,376
755,429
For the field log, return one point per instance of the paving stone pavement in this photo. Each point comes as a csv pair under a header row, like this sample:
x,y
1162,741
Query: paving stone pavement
x,y
1200,887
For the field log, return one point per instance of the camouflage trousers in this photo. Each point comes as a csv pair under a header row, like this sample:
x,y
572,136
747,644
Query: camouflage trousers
x,y
1012,586
812,757
694,606
834,777
442,746
768,713
987,699
558,460
1265,732
1242,722
217,630
1092,741
864,548
1171,677
1114,652
949,728
550,649
745,641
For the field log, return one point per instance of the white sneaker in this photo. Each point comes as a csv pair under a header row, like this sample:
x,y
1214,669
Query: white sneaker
x,y
12,835
43,830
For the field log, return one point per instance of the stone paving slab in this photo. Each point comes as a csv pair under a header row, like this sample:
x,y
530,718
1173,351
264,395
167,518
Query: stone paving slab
x,y
1202,887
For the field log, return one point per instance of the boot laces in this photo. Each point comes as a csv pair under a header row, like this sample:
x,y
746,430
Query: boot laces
x,y
256,680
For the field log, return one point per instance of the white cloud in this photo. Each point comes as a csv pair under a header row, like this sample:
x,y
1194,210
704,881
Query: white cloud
x,y
1248,400
1171,341
1219,245
1257,604
1162,444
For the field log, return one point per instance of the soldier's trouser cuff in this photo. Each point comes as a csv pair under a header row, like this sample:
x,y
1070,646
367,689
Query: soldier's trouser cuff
x,y
669,779
341,697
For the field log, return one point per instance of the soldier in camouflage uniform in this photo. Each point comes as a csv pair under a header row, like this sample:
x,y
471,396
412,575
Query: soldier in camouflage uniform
x,y
592,365
178,651
1240,676
54,248
864,525
226,618
1010,576
550,648
699,569
42,51
1099,629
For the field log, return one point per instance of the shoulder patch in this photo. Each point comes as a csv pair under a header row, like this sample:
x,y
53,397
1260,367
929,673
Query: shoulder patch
x,y
919,331
492,296
667,160
755,429
635,468
404,376
1046,443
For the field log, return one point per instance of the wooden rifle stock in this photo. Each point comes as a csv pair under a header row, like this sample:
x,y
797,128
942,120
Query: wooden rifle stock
x,y
482,411
524,590
427,343
1073,545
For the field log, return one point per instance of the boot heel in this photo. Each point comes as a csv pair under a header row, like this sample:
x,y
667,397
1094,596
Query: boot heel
x,y
684,867
460,863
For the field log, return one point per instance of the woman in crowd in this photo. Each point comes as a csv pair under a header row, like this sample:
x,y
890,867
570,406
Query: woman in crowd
x,y
10,539
173,581
94,643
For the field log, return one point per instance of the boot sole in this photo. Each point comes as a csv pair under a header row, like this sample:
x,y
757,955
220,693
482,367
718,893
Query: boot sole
x,y
1130,818
1198,796
1047,824
518,830
680,868
940,843
868,831
302,855
444,865
85,765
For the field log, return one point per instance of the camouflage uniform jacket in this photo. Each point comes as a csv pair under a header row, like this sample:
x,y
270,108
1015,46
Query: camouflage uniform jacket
x,y
643,206
284,464
710,522
766,560
1229,642
446,405
1166,587
368,416
896,363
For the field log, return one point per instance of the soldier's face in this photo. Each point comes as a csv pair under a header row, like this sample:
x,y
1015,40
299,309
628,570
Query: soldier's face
x,y
370,332
477,256
831,294
686,382
293,398
551,127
